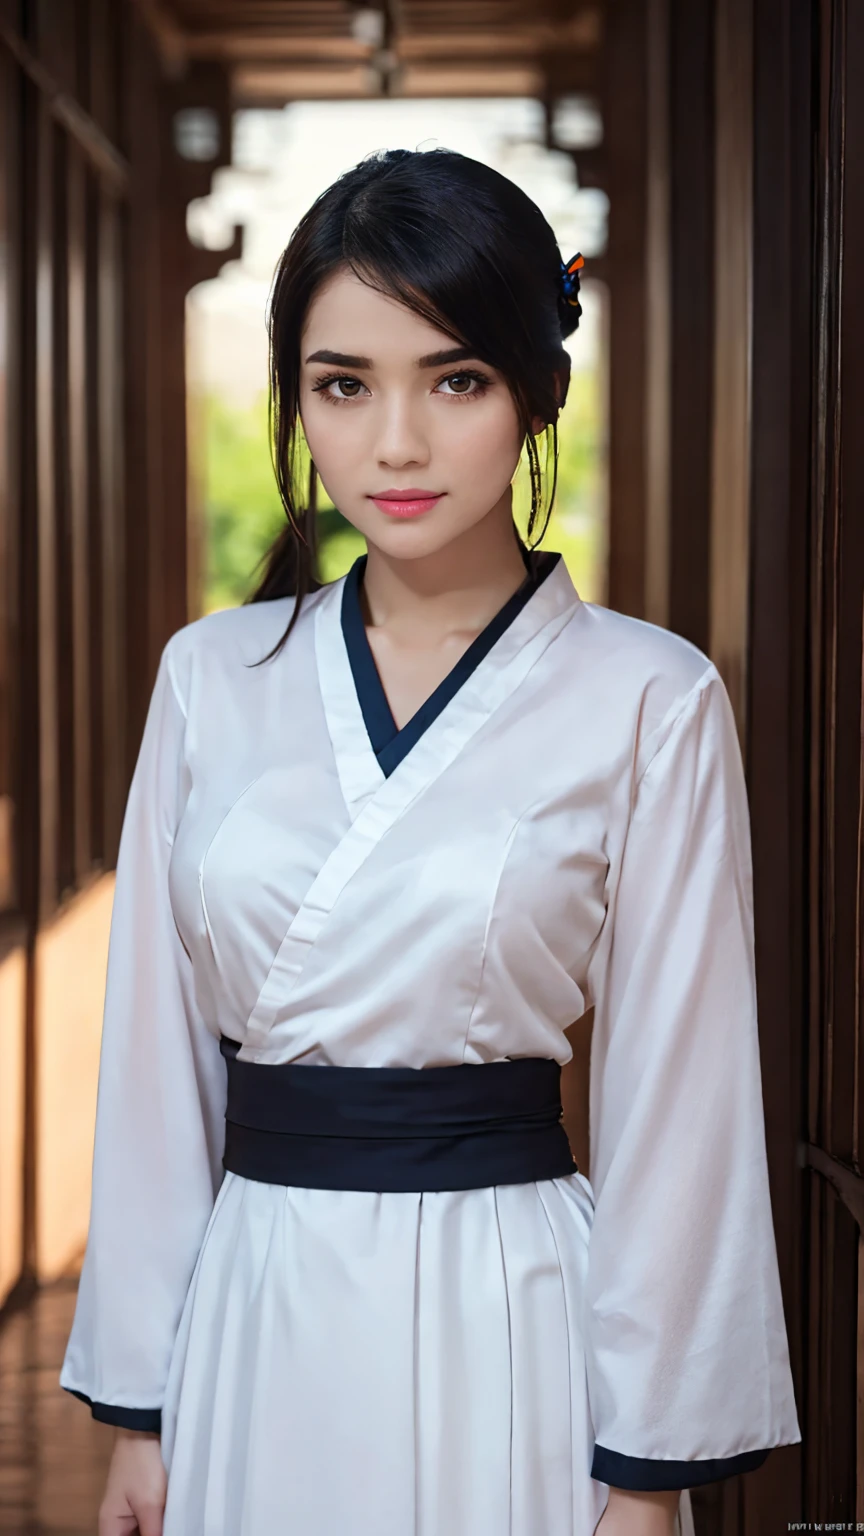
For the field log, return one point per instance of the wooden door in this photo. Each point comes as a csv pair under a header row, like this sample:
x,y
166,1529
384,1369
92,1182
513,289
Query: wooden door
x,y
833,1151
805,726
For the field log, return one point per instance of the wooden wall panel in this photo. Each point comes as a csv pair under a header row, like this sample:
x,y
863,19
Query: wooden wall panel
x,y
80,840
10,403
44,149
67,736
107,75
834,1150
97,662
63,702
116,366
805,724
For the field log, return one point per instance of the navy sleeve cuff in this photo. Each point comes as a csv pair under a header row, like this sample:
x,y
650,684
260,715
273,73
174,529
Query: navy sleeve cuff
x,y
647,1476
123,1418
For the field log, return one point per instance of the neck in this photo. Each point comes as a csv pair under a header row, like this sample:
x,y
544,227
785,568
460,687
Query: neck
x,y
455,590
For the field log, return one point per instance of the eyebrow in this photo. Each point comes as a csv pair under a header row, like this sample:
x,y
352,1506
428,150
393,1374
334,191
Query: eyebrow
x,y
431,359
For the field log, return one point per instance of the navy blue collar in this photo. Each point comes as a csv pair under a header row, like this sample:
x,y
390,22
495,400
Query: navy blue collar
x,y
388,743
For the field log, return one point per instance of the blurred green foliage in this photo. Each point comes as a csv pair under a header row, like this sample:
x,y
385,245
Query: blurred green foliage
x,y
243,513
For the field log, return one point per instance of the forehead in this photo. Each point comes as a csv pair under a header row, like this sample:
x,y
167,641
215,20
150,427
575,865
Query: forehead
x,y
347,315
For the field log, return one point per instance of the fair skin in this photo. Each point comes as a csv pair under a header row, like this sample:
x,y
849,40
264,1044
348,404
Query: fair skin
x,y
134,1499
400,416
435,580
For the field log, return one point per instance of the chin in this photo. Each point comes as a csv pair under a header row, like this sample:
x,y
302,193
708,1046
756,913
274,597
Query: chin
x,y
412,538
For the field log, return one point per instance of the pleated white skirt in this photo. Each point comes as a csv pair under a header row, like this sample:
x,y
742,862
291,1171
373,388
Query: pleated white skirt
x,y
357,1364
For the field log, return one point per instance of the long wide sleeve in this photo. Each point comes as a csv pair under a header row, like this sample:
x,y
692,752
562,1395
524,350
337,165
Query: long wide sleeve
x,y
160,1108
688,1368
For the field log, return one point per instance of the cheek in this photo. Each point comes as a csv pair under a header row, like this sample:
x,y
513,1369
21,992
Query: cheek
x,y
329,434
482,442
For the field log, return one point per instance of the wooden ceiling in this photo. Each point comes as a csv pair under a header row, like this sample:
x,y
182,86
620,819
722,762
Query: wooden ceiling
x,y
278,50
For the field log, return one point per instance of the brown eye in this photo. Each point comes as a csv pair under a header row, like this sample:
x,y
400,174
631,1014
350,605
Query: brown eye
x,y
468,385
338,387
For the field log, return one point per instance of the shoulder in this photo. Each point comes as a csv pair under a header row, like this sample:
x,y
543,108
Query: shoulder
x,y
656,678
231,639
647,653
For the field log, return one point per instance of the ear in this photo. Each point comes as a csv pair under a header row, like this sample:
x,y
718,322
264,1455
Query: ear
x,y
561,384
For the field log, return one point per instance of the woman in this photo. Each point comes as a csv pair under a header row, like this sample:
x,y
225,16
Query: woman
x,y
384,833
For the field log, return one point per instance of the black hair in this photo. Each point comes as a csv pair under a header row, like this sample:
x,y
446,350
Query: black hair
x,y
461,246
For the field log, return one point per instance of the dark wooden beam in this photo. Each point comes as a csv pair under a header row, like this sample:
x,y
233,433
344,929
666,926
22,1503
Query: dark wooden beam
x,y
733,310
834,1433
46,253
63,701
135,553
691,315
78,572
12,770
766,275
625,120
167,34
67,111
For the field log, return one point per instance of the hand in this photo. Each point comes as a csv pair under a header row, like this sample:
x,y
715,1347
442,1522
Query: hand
x,y
134,1498
638,1514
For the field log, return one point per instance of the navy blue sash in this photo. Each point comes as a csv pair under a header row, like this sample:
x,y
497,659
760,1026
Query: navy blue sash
x,y
395,1129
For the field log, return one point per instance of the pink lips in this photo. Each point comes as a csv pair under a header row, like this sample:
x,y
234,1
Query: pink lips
x,y
409,502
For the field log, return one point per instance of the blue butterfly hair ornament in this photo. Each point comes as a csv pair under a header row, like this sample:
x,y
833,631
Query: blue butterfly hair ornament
x,y
570,281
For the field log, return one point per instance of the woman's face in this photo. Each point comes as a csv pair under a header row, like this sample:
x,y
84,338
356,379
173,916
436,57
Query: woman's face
x,y
415,439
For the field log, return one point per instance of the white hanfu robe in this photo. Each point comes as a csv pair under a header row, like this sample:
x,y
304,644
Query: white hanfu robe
x,y
563,825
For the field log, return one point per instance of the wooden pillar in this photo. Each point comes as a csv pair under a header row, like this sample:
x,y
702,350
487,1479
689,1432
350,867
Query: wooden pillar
x,y
712,388
10,481
115,366
659,167
834,1150
691,315
625,111
141,319
732,340
16,1034
186,171
762,633
659,294
80,833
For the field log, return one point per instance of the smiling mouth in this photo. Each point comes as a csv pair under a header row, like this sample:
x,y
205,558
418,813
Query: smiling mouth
x,y
408,503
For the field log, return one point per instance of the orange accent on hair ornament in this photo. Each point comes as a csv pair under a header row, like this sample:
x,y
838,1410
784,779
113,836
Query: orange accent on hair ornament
x,y
570,279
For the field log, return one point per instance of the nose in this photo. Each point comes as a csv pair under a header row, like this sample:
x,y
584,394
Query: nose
x,y
401,437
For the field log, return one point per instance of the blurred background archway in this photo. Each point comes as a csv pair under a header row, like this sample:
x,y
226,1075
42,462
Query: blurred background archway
x,y
281,160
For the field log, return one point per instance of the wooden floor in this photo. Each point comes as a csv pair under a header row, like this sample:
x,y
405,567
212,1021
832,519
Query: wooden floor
x,y
53,1456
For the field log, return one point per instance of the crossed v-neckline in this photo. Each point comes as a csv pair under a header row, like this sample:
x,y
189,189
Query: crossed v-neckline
x,y
389,743
376,797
